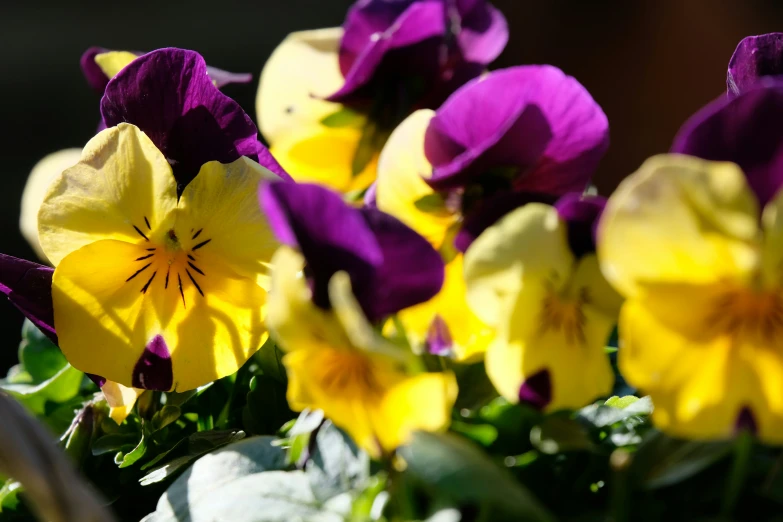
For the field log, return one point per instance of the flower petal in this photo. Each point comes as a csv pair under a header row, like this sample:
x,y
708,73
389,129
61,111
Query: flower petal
x,y
42,175
744,130
121,181
112,62
168,94
402,169
695,221
92,72
483,34
563,133
582,213
301,71
319,154
120,399
754,58
28,286
514,258
366,243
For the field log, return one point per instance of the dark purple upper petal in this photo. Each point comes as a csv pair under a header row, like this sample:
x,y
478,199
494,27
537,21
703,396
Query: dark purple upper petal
x,y
28,286
169,95
223,78
438,41
535,121
746,130
374,248
581,213
91,71
754,58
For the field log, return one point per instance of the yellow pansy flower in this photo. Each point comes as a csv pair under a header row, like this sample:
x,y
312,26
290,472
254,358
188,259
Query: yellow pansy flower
x,y
150,290
552,311
684,241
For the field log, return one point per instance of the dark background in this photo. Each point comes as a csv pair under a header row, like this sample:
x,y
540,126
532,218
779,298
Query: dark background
x,y
649,63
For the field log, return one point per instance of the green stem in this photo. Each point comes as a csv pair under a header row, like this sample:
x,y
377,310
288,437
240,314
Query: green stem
x,y
743,447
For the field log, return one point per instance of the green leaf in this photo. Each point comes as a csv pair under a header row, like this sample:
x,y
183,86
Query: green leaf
x,y
273,496
431,203
165,416
366,148
9,499
558,434
61,387
345,117
483,434
114,443
460,470
185,451
266,408
190,496
613,411
336,465
39,356
270,360
663,461
138,452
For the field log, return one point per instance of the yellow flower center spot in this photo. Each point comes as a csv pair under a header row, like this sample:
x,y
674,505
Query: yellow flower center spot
x,y
747,312
347,373
564,314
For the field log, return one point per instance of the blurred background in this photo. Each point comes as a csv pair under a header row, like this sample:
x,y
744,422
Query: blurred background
x,y
649,63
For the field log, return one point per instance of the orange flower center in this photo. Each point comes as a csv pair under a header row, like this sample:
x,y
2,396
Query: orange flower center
x,y
747,312
565,315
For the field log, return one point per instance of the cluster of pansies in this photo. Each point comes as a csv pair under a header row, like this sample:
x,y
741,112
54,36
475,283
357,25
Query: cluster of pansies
x,y
416,217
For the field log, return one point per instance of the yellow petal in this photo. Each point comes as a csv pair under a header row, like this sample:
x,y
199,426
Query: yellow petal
x,y
422,402
113,62
319,154
515,259
120,399
699,382
221,206
402,167
301,71
121,182
679,219
469,335
35,189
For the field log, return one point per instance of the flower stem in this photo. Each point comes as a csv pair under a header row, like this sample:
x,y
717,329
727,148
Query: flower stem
x,y
743,447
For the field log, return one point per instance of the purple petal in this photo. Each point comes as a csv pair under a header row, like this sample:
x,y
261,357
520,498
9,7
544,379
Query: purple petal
x,y
331,235
168,94
581,213
373,32
746,422
223,78
484,33
754,58
374,248
28,286
534,121
370,196
439,340
92,73
398,284
153,371
745,130
489,211
97,379
536,391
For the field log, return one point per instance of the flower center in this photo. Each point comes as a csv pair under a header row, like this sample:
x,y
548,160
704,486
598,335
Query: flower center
x,y
172,256
559,314
347,373
747,312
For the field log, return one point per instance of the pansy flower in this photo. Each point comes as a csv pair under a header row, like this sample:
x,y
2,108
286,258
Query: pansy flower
x,y
342,268
517,135
755,57
696,247
534,277
166,285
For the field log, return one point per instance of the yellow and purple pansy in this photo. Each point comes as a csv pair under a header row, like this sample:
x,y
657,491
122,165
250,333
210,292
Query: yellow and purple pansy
x,y
515,136
534,277
701,327
341,269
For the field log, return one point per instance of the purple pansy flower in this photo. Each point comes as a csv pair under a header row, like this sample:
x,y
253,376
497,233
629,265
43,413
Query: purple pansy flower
x,y
746,130
97,79
442,43
374,248
168,94
755,57
532,124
